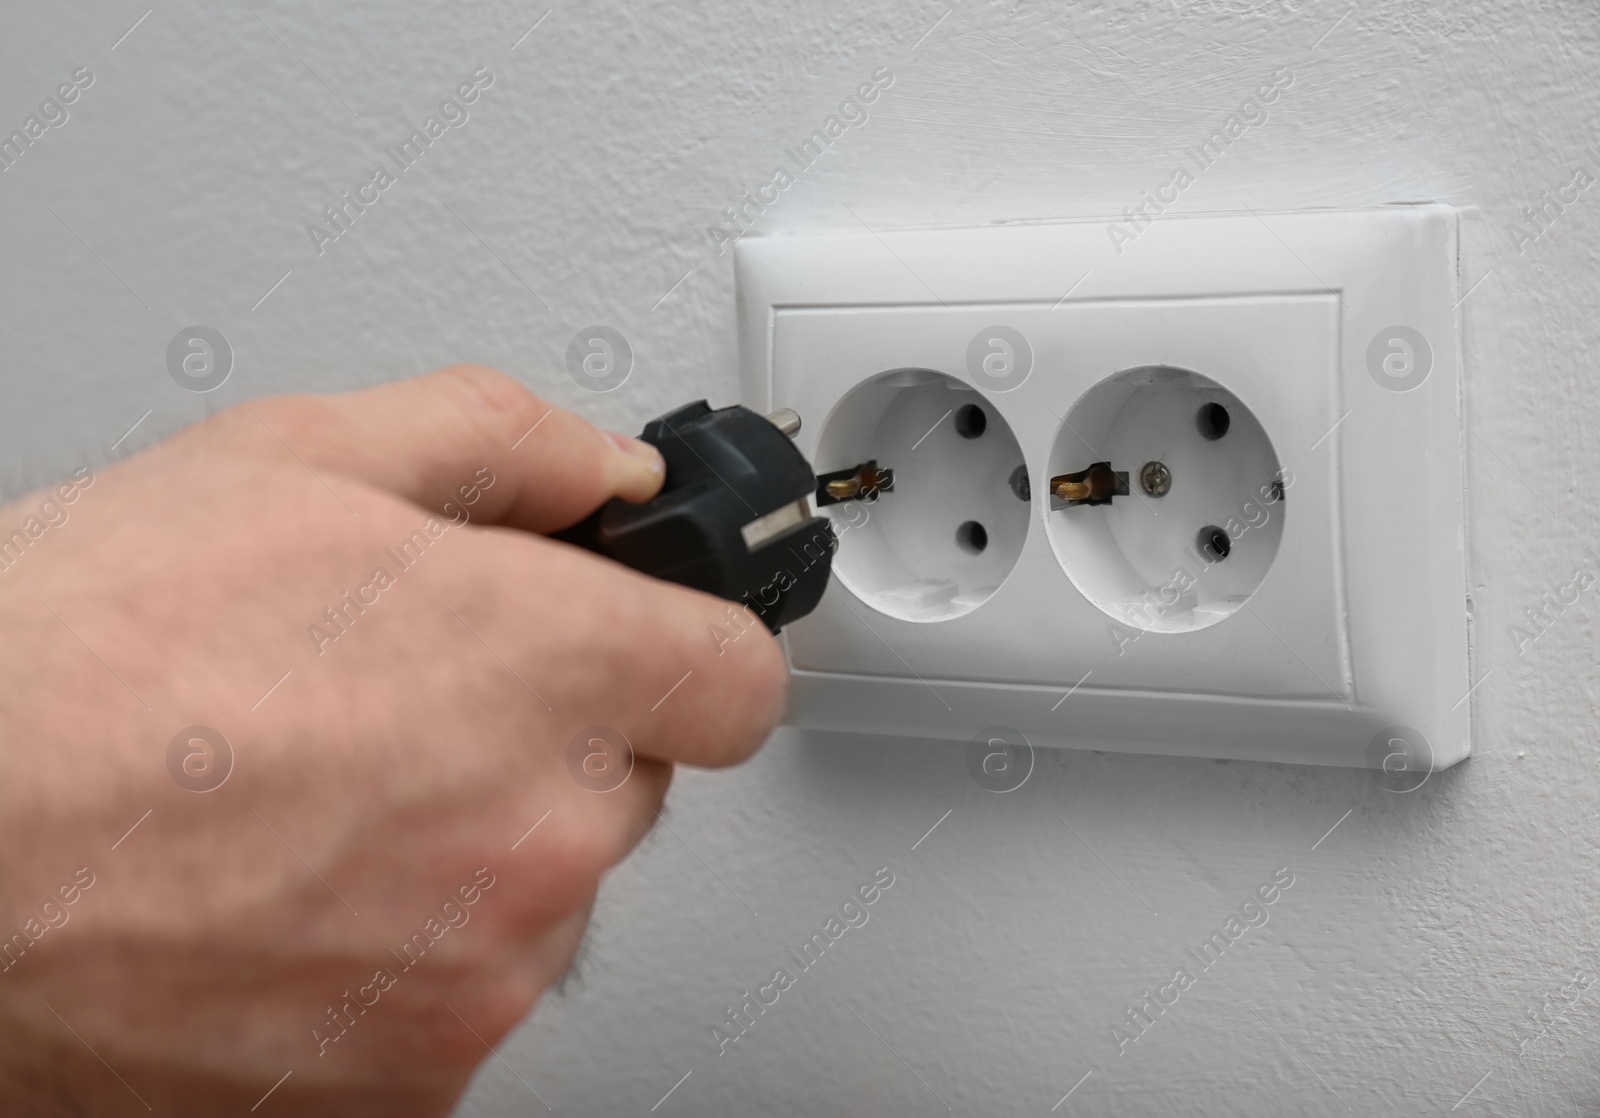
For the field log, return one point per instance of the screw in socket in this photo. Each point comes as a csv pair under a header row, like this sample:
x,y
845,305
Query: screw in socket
x,y
1020,484
1155,479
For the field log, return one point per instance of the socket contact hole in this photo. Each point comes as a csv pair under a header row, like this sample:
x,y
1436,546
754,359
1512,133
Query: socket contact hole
x,y
1213,421
972,537
971,422
1213,543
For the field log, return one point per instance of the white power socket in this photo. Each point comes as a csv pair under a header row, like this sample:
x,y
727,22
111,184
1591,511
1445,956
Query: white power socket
x,y
1272,402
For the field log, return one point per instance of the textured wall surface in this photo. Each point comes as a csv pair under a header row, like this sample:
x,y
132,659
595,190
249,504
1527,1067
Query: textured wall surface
x,y
1398,974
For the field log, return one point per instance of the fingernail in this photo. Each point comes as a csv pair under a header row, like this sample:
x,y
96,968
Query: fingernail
x,y
643,451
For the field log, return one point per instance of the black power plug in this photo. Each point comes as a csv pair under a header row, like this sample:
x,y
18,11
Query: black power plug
x,y
732,517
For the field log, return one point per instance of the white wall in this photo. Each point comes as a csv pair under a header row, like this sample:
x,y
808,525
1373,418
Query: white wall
x,y
1398,970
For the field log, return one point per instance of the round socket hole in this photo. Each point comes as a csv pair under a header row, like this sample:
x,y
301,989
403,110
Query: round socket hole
x,y
942,542
1141,561
972,537
971,421
1213,544
1213,421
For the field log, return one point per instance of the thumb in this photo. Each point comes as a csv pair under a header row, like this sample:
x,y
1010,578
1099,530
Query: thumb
x,y
466,436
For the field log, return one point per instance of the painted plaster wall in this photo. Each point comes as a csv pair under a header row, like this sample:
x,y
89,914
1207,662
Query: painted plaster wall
x,y
1400,967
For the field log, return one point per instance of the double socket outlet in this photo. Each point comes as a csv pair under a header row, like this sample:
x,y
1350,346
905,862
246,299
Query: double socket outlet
x,y
1200,493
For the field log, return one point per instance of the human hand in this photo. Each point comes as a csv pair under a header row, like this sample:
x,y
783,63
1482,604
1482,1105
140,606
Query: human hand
x,y
411,822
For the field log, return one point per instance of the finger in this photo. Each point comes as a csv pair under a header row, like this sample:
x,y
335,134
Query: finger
x,y
584,823
682,675
611,812
712,680
465,442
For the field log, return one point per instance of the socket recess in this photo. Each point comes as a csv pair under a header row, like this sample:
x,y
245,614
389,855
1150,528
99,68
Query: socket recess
x,y
1218,511
1213,505
941,543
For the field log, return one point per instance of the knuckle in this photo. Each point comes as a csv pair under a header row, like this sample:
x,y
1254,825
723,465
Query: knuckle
x,y
574,848
486,394
493,1009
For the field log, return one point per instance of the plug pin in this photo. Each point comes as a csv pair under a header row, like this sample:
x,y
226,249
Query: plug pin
x,y
786,420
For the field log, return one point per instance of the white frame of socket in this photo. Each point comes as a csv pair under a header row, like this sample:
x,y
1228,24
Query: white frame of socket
x,y
1338,332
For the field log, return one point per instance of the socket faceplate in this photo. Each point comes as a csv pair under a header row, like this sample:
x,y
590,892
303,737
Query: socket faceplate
x,y
1337,332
